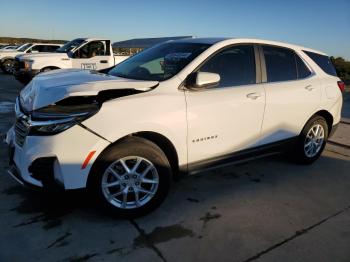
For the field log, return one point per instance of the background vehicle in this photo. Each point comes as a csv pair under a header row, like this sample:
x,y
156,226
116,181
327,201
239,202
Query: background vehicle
x,y
9,47
181,106
7,58
83,53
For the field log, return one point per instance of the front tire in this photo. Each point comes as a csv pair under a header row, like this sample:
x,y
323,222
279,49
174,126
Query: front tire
x,y
8,66
131,178
311,141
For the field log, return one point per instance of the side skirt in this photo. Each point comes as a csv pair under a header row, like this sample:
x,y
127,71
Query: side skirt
x,y
242,156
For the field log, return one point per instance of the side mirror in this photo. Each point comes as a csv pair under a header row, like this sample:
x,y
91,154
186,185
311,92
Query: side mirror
x,y
200,80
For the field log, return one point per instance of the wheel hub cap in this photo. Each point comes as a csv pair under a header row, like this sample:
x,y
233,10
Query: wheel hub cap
x,y
314,140
130,182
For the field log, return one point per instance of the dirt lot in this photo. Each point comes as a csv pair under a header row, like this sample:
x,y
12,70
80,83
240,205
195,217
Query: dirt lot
x,y
266,210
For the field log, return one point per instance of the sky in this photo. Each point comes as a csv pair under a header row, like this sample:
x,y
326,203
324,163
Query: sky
x,y
322,24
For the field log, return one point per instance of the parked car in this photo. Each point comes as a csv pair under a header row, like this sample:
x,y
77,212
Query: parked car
x,y
179,107
7,58
82,53
9,47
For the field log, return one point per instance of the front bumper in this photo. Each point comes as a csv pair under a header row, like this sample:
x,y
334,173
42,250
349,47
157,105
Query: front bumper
x,y
51,161
25,76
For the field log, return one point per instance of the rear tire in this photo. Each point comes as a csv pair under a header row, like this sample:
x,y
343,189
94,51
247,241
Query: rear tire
x,y
311,141
125,191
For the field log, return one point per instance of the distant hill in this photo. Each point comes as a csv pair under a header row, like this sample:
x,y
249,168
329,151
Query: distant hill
x,y
16,40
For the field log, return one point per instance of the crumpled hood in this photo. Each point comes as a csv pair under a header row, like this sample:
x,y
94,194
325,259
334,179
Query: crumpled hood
x,y
44,56
51,87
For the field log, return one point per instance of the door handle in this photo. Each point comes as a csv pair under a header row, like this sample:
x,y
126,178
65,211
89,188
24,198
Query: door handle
x,y
103,61
309,87
253,95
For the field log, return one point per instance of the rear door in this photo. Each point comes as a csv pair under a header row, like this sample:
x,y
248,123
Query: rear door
x,y
292,93
227,118
94,55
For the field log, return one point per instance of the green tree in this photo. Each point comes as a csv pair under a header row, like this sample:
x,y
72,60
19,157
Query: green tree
x,y
343,68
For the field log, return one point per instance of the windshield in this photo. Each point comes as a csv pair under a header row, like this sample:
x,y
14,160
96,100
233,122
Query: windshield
x,y
70,45
160,62
24,47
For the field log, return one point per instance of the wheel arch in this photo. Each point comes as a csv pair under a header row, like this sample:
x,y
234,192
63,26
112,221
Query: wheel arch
x,y
160,140
328,117
7,58
49,67
165,145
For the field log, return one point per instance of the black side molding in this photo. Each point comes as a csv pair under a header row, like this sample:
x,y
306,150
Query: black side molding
x,y
251,153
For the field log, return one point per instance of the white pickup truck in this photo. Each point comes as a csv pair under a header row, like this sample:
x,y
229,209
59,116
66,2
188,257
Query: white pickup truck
x,y
7,56
83,53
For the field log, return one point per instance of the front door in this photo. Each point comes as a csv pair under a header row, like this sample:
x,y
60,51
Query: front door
x,y
227,118
94,55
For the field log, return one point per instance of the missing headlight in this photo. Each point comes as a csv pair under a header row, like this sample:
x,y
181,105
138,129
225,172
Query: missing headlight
x,y
62,115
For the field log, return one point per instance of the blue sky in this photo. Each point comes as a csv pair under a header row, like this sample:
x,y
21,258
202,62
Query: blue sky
x,y
323,24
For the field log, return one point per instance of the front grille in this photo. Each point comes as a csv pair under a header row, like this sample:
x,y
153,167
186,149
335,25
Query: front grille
x,y
21,131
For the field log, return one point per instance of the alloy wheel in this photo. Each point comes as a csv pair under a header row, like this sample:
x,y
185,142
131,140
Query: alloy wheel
x,y
9,66
130,182
314,140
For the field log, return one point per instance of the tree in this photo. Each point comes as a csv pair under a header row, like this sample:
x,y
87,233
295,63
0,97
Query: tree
x,y
343,68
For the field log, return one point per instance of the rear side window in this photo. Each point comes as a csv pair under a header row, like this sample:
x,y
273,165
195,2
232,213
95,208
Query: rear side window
x,y
303,70
322,61
235,65
280,64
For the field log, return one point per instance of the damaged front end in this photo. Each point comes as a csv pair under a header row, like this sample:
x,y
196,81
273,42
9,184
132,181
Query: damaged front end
x,y
48,110
60,116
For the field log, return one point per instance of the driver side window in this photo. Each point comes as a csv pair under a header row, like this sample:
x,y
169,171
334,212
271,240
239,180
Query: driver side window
x,y
92,49
235,65
34,49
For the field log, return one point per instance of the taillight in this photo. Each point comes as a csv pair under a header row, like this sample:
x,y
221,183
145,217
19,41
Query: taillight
x,y
341,85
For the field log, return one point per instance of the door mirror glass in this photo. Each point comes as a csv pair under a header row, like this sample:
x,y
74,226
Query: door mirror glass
x,y
202,80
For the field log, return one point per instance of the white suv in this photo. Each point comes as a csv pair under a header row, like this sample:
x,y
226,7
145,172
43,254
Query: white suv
x,y
181,106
